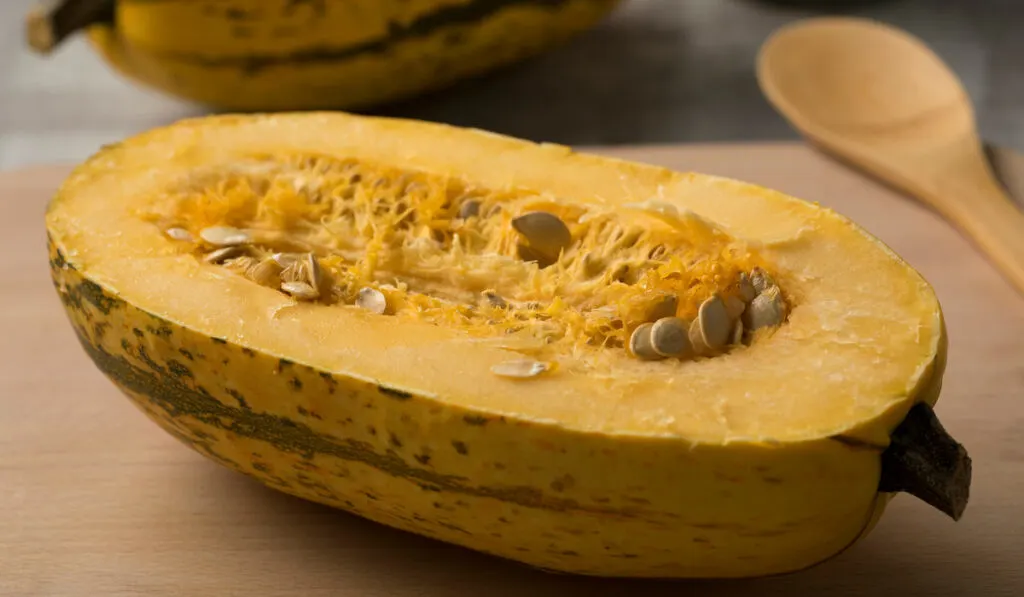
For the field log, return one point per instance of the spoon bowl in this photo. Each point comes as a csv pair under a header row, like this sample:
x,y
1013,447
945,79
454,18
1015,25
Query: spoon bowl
x,y
861,79
882,101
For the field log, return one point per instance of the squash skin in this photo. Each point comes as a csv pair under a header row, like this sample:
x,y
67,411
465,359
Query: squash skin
x,y
203,53
592,505
531,491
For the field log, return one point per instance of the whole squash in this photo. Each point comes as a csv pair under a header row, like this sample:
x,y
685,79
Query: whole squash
x,y
302,54
583,364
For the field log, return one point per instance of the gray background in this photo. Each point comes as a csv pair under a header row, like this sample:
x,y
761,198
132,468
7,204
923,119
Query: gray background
x,y
658,71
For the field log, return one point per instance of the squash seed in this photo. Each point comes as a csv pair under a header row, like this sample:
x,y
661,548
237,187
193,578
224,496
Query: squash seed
x,y
372,300
495,300
714,322
528,253
314,273
670,337
222,254
520,368
223,236
765,310
746,288
737,333
734,306
242,264
640,344
301,291
285,259
761,280
664,307
178,233
266,273
697,338
545,233
296,272
469,208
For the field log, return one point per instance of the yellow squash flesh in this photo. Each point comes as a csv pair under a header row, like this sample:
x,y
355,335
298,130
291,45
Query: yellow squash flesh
x,y
762,460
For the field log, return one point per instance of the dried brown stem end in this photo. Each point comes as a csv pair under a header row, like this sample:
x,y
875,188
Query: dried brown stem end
x,y
924,461
49,23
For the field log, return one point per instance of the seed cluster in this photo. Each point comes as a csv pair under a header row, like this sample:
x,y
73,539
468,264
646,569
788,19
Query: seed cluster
x,y
299,275
537,276
719,322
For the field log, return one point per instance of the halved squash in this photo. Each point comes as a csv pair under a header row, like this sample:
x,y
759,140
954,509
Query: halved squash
x,y
580,363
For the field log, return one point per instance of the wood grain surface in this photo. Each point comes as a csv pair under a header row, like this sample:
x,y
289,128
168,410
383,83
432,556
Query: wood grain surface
x,y
95,501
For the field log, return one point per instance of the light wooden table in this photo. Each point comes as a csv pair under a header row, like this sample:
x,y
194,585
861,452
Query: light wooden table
x,y
96,501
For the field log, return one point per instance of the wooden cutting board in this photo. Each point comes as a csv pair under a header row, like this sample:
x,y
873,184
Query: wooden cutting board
x,y
95,501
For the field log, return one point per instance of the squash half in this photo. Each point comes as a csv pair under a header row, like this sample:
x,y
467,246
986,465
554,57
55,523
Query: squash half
x,y
765,458
248,55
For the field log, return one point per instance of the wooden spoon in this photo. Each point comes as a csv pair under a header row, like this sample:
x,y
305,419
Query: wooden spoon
x,y
879,99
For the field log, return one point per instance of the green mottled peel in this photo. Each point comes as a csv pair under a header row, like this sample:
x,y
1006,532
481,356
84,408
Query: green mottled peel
x,y
164,389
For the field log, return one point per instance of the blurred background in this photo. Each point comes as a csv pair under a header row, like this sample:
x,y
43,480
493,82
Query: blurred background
x,y
655,71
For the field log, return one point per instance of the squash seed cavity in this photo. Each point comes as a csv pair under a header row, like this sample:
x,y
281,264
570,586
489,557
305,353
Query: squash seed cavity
x,y
652,280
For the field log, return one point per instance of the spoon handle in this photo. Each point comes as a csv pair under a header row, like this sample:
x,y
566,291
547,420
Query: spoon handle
x,y
989,218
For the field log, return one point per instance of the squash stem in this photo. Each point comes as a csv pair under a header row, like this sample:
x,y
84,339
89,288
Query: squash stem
x,y
924,461
51,22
